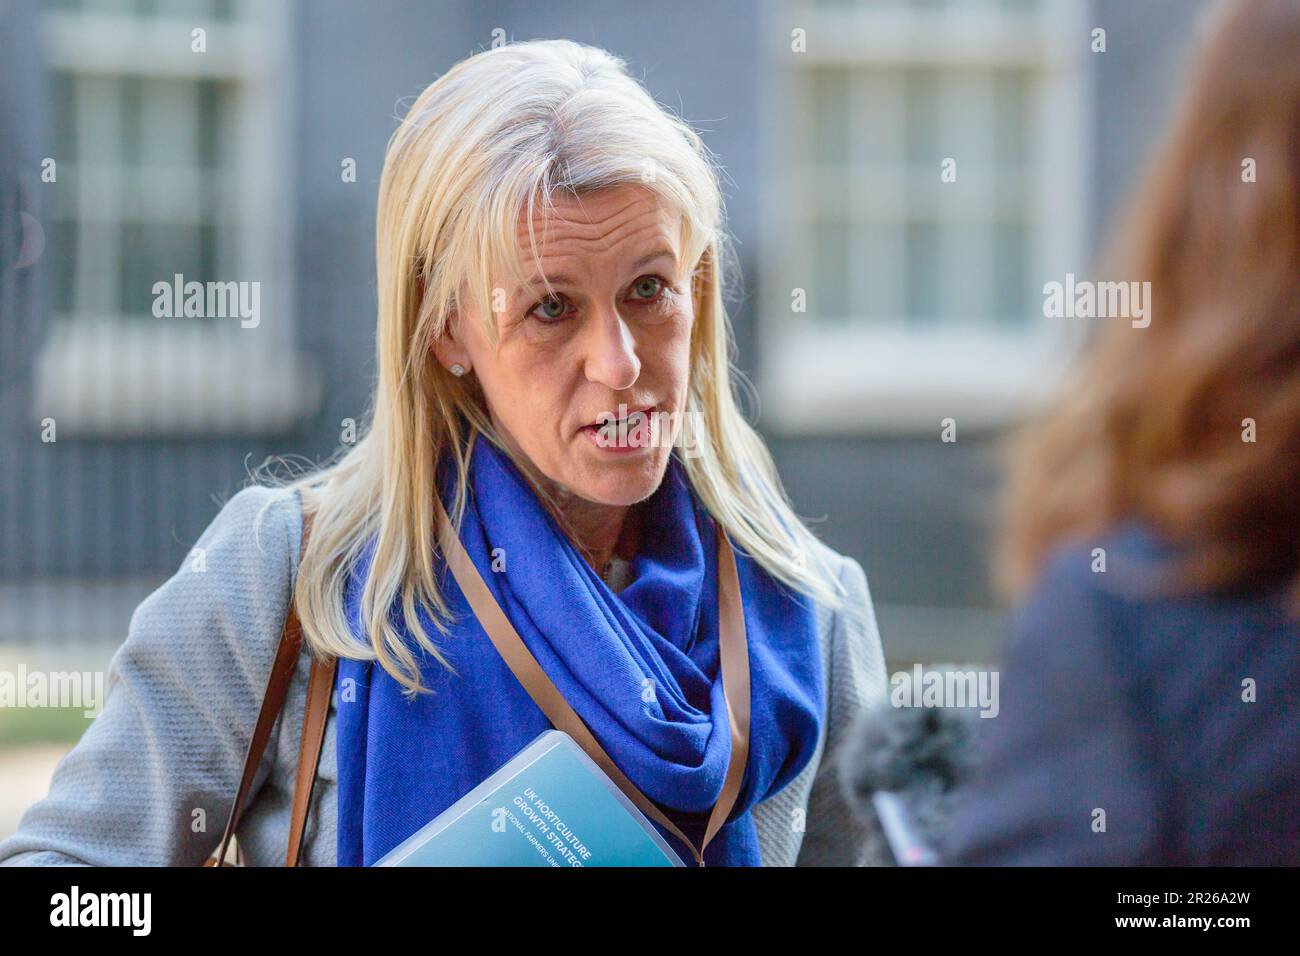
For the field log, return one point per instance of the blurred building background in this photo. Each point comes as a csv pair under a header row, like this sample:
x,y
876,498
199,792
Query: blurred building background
x,y
877,299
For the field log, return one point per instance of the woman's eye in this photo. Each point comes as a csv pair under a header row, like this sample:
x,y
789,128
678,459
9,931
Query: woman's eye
x,y
647,286
549,309
553,308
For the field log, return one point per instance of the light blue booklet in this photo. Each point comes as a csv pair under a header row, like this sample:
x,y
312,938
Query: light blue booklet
x,y
548,805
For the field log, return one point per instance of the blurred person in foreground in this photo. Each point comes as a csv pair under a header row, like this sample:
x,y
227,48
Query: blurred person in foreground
x,y
1151,697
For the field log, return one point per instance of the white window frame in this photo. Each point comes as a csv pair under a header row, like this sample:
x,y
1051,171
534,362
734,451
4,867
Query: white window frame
x,y
107,375
856,379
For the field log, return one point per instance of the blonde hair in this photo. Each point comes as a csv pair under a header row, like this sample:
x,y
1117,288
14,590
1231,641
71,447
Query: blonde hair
x,y
500,132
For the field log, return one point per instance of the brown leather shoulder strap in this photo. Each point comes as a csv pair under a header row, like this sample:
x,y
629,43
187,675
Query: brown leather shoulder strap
x,y
319,689
277,688
733,659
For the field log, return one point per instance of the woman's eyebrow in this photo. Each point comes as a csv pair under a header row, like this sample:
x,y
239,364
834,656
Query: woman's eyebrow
x,y
652,256
560,278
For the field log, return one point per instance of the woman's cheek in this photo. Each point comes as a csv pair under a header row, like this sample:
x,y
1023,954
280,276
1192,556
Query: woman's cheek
x,y
675,307
676,337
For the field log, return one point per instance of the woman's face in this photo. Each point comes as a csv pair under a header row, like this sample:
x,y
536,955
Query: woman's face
x,y
612,341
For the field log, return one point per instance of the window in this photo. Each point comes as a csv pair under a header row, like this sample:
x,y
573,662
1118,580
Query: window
x,y
923,290
171,154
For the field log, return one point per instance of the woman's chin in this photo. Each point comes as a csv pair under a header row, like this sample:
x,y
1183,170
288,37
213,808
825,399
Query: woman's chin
x,y
623,481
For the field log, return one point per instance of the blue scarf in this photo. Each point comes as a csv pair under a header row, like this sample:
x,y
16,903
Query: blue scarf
x,y
640,667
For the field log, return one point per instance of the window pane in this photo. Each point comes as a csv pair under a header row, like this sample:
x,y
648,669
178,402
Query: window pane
x,y
923,278
876,118
878,264
155,252
829,91
921,104
1012,105
829,297
1015,294
965,277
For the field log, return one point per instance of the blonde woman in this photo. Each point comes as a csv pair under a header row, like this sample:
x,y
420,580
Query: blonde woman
x,y
553,378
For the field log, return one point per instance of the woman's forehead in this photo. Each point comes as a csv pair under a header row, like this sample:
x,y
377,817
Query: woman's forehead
x,y
624,226
608,217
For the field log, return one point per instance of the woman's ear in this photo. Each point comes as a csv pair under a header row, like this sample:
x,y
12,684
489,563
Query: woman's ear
x,y
449,349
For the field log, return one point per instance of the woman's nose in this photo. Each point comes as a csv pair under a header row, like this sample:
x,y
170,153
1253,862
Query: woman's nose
x,y
611,352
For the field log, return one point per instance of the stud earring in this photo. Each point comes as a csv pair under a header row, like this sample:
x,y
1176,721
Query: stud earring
x,y
458,370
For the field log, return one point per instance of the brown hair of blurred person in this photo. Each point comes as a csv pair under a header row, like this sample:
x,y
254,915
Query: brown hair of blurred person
x,y
1152,426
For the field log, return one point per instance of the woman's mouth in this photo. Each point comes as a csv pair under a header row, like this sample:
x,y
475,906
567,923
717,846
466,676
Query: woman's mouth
x,y
628,430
